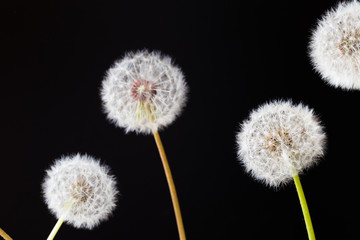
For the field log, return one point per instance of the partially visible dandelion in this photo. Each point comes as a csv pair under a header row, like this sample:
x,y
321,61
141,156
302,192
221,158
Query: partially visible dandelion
x,y
144,92
278,142
335,46
80,191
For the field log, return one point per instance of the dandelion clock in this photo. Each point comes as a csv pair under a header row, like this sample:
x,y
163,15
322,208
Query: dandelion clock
x,y
144,92
79,190
279,141
335,46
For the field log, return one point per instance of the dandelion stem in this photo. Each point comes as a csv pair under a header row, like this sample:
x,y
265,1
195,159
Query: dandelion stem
x,y
304,207
171,184
4,235
55,229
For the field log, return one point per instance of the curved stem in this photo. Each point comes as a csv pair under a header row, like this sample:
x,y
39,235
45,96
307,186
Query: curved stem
x,y
4,235
55,229
171,184
304,207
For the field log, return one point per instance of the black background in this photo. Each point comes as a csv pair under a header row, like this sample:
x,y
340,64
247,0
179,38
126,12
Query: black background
x,y
235,55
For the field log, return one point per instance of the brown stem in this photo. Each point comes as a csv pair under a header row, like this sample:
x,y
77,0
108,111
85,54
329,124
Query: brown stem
x,y
171,184
4,235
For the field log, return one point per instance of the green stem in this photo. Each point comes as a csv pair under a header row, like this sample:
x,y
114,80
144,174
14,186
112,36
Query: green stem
x,y
304,207
55,229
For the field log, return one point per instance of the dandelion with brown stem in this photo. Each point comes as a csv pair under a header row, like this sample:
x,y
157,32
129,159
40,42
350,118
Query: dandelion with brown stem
x,y
144,92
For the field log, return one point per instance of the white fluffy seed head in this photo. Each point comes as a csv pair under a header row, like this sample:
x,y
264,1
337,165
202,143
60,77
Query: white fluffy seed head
x,y
335,46
143,91
80,190
279,140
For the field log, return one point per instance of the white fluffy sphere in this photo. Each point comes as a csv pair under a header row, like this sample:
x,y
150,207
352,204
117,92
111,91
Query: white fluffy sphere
x,y
143,91
80,190
280,140
335,46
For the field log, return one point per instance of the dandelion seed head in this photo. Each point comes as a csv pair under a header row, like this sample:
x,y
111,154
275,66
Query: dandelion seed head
x,y
143,91
80,190
335,46
278,140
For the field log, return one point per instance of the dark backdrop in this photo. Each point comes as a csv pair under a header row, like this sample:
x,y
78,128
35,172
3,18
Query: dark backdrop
x,y
235,55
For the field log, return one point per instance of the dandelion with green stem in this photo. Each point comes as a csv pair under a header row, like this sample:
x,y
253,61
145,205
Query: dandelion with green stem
x,y
144,92
80,191
278,142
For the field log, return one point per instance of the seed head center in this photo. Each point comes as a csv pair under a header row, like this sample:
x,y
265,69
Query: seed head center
x,y
81,191
143,90
273,143
350,43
